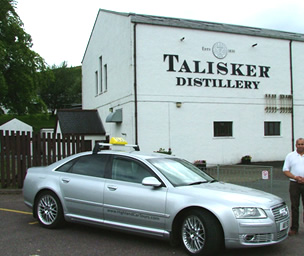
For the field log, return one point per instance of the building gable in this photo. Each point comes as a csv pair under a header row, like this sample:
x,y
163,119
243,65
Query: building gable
x,y
16,125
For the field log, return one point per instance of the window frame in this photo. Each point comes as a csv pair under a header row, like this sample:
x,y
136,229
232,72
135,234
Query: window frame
x,y
74,161
272,128
100,75
225,131
96,82
105,67
131,160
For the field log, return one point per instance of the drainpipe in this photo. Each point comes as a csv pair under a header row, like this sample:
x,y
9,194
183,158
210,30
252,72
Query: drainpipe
x,y
135,85
291,91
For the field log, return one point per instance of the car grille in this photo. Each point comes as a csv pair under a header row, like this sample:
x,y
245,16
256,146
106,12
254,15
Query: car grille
x,y
281,214
282,234
263,238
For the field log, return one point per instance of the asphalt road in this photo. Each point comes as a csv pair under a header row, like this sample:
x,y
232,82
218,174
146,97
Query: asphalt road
x,y
22,236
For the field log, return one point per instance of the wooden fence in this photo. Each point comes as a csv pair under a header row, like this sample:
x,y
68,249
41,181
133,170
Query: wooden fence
x,y
19,151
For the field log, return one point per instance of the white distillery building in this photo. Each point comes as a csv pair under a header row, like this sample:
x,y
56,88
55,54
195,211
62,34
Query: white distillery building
x,y
208,91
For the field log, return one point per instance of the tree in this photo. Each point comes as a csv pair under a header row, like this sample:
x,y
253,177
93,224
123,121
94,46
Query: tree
x,y
21,69
64,90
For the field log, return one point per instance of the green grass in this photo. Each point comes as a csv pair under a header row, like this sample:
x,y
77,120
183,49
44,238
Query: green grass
x,y
37,121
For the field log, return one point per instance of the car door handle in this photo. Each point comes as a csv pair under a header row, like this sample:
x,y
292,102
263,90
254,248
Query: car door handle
x,y
111,187
65,180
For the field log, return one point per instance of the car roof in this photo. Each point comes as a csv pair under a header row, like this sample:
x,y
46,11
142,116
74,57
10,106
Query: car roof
x,y
136,154
119,146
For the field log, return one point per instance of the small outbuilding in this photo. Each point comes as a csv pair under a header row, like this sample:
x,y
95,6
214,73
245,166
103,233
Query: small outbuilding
x,y
81,122
15,125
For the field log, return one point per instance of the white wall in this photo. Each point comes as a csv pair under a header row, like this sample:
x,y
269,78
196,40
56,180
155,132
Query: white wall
x,y
112,39
189,130
298,95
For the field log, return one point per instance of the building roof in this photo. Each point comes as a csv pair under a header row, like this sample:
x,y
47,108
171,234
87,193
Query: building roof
x,y
202,25
84,122
15,124
6,120
209,26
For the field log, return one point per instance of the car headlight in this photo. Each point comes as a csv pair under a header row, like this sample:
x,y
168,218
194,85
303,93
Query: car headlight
x,y
249,213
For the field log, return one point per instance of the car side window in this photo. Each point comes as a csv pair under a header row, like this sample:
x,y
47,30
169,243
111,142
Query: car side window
x,y
90,165
66,167
129,170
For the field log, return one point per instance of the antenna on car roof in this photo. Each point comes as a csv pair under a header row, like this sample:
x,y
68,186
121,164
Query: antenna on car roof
x,y
115,141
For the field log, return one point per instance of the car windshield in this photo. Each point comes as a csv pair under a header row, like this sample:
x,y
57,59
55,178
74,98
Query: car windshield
x,y
180,172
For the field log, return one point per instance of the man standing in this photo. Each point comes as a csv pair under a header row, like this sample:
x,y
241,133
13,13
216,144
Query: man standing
x,y
294,169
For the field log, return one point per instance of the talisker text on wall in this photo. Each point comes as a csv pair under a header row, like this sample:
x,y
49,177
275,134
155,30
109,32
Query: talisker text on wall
x,y
211,68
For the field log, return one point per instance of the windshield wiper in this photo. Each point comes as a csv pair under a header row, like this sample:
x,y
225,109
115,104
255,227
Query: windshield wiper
x,y
211,181
197,182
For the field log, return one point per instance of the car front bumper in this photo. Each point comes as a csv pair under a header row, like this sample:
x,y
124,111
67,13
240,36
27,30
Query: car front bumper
x,y
260,232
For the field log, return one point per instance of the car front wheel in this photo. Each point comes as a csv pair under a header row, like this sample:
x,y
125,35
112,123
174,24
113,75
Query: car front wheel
x,y
49,210
201,233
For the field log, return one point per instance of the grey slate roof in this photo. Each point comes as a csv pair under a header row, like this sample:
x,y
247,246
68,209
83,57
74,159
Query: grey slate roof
x,y
83,122
210,26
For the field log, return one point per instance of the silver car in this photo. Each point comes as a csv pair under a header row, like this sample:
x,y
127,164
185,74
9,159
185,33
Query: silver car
x,y
154,194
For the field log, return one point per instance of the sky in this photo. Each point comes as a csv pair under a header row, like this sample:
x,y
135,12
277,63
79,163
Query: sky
x,y
60,29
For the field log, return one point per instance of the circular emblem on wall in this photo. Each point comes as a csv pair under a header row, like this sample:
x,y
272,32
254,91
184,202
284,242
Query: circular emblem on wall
x,y
219,50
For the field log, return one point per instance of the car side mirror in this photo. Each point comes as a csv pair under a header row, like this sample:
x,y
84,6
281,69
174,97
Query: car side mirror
x,y
151,181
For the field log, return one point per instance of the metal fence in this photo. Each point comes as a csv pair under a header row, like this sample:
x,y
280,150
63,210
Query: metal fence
x,y
253,176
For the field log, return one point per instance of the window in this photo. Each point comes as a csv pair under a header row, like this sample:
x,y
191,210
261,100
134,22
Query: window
x,y
66,167
272,128
222,129
128,170
187,173
96,82
106,77
100,68
91,165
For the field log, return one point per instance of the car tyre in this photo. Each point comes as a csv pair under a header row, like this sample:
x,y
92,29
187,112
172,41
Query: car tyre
x,y
49,210
201,233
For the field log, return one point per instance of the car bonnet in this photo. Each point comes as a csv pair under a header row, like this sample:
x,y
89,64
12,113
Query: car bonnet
x,y
230,193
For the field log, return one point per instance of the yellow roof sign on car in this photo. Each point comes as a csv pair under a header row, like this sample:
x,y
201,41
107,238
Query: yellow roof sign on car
x,y
114,141
118,141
